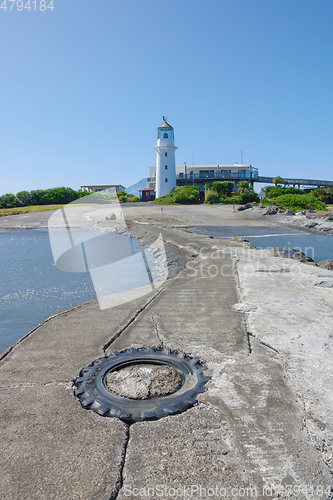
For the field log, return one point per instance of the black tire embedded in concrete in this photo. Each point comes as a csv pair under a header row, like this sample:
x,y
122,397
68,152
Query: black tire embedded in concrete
x,y
94,394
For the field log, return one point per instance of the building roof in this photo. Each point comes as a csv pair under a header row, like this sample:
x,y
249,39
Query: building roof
x,y
165,125
103,186
147,189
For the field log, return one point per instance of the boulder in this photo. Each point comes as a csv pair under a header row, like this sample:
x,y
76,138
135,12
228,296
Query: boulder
x,y
270,211
311,224
244,207
289,212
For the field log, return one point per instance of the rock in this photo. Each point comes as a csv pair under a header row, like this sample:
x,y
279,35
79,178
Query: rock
x,y
244,241
326,284
296,254
330,218
326,264
111,217
143,381
303,212
270,211
244,207
311,224
292,254
326,229
289,212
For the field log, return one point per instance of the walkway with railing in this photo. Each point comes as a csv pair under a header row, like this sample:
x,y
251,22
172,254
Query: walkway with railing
x,y
202,178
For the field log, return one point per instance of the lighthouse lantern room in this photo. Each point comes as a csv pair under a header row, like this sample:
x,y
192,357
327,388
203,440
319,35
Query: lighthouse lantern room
x,y
165,159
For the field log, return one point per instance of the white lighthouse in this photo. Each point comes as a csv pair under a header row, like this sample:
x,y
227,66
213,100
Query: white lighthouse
x,y
165,160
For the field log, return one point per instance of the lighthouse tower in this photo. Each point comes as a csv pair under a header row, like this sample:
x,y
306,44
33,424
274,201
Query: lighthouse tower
x,y
165,160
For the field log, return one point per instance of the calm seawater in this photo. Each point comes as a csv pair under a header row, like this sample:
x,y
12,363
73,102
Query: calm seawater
x,y
31,287
317,246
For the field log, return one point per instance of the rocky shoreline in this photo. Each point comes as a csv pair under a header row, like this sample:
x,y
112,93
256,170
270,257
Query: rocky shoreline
x,y
307,219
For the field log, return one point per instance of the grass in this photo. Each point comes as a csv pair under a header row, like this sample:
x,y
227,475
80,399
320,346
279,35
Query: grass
x,y
164,200
28,210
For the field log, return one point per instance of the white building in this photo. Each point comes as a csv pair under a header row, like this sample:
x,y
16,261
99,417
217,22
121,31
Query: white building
x,y
193,173
165,170
103,188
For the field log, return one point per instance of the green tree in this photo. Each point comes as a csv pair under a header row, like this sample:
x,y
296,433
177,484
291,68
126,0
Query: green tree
x,y
278,180
8,200
24,198
121,193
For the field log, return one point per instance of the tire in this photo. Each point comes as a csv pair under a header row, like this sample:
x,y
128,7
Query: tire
x,y
94,394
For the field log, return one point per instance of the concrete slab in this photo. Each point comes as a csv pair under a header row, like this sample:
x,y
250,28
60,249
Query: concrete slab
x,y
53,448
191,452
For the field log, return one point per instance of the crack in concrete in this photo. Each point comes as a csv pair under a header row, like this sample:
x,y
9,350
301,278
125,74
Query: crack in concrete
x,y
158,330
133,318
249,342
120,480
239,293
249,334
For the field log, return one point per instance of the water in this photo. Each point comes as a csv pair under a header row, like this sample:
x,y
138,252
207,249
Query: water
x,y
317,246
32,288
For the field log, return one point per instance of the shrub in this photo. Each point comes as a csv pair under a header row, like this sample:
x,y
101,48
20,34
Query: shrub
x,y
243,185
324,194
212,196
246,197
222,187
185,194
300,202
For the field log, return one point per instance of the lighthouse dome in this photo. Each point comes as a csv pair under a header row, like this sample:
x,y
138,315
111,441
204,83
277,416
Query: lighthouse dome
x,y
165,131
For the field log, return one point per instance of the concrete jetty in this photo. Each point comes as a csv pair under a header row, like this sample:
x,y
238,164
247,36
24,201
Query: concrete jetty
x,y
263,429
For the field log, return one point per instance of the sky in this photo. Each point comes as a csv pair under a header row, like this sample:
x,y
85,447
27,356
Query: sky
x,y
83,88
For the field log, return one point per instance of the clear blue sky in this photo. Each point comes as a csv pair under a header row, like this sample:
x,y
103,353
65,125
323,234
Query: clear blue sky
x,y
83,88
